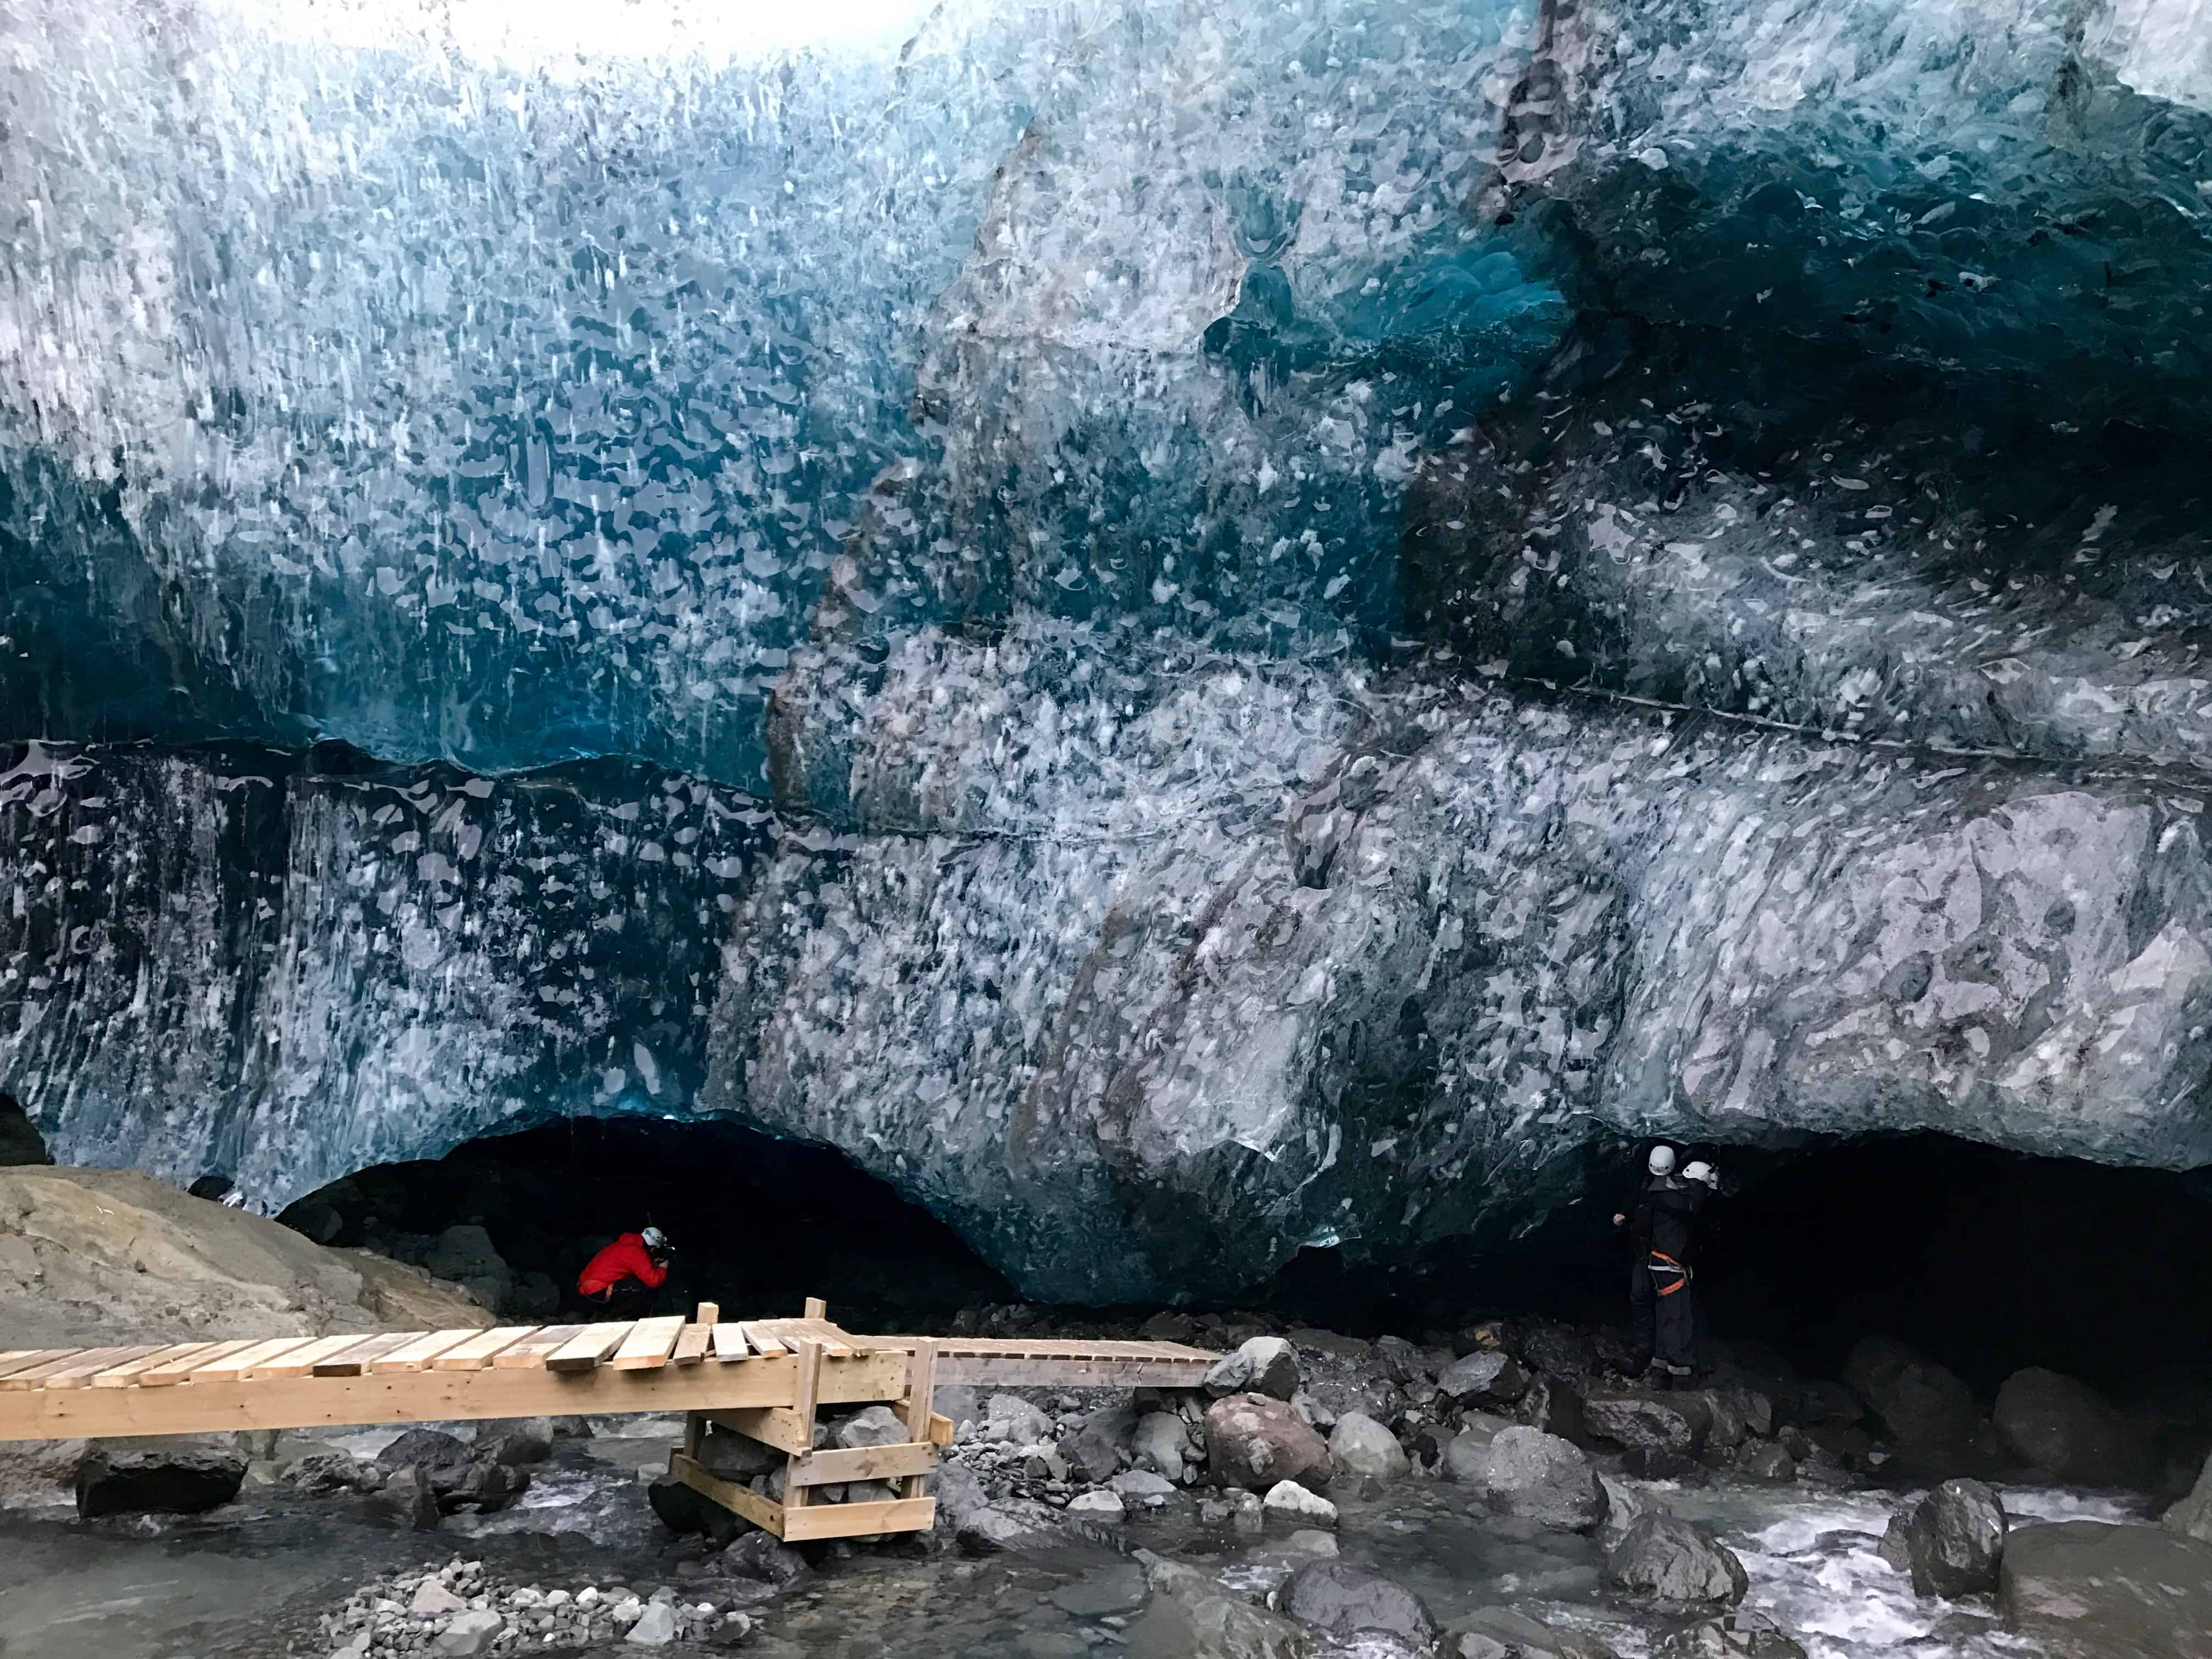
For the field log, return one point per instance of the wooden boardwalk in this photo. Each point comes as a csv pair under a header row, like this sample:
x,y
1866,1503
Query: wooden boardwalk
x,y
763,1378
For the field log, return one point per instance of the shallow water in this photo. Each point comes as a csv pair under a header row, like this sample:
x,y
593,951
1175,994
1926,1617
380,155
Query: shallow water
x,y
250,1582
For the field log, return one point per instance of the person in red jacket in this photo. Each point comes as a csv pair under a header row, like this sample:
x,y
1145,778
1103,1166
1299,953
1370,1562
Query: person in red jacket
x,y
619,1282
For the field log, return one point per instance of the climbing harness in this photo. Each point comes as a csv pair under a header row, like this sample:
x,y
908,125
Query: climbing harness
x,y
1661,1262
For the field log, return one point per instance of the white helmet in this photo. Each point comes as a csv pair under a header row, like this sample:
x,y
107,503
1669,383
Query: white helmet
x,y
1701,1170
655,1238
1662,1161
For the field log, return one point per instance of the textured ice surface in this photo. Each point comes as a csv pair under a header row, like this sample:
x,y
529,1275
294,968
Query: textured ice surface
x,y
1190,629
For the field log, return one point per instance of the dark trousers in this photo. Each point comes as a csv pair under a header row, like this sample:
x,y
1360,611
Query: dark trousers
x,y
1670,1321
626,1299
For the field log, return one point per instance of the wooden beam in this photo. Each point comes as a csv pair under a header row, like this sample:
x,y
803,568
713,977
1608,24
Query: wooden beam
x,y
816,1308
763,1512
772,1426
417,1355
584,1351
432,1396
858,1520
479,1351
803,1400
648,1345
709,1313
920,1384
533,1351
834,1468
941,1429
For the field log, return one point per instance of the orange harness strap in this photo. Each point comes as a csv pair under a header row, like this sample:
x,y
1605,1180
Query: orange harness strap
x,y
1667,1264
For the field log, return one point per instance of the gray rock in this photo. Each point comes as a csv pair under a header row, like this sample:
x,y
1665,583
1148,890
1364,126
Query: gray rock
x,y
1265,1364
1539,1477
1741,1635
655,1626
321,1472
1487,1377
1767,1460
2067,1430
1624,1505
1361,1447
2192,1516
736,1457
187,1481
1100,1445
1675,1423
470,1633
516,1441
1919,1402
1676,1561
1503,1633
1162,1444
1401,1361
1141,1489
1253,1442
1291,1506
434,1596
1466,1453
1106,1508
1952,1540
1009,1418
763,1556
1013,1525
873,1425
2085,1591
1344,1602
1192,1613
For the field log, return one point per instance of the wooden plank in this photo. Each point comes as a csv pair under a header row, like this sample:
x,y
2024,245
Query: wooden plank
x,y
60,1359
802,1403
356,1361
940,1430
920,1384
691,1346
648,1345
833,1468
31,1359
533,1351
480,1350
233,1366
77,1376
166,1373
709,1313
584,1351
858,1520
417,1355
126,1375
763,1512
300,1362
730,1341
772,1426
18,1358
816,1308
432,1396
762,1340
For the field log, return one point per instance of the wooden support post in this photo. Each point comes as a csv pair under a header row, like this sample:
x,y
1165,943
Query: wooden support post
x,y
802,1406
710,1313
695,1433
920,1384
816,1308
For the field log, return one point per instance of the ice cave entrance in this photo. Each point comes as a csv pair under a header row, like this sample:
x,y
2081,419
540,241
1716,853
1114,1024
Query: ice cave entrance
x,y
758,1223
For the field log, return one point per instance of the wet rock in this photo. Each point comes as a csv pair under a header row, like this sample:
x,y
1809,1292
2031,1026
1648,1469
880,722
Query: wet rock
x,y
2192,1516
422,1449
1361,1447
1674,1423
1290,1505
1105,1508
1676,1561
516,1441
2067,1430
1466,1453
1118,1589
685,1512
1140,1489
470,1633
1346,1602
1162,1444
1918,1401
1624,1505
1254,1441
1766,1460
1483,1378
1102,1444
1741,1635
320,1474
761,1555
1819,1401
2085,1590
1950,1541
1551,1349
1401,1361
1014,1525
1539,1477
1266,1364
1553,1407
1192,1613
183,1481
1503,1633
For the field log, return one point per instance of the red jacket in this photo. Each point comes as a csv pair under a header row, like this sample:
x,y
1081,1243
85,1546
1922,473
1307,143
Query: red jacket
x,y
623,1259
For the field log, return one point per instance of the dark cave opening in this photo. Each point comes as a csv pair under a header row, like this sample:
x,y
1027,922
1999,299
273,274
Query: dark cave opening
x,y
758,1224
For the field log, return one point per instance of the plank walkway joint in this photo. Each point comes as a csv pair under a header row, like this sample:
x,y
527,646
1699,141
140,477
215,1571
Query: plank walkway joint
x,y
767,1379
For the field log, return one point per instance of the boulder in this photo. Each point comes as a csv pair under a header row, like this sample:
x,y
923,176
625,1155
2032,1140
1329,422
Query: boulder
x,y
1489,1378
1361,1447
1767,1460
470,1633
184,1480
1676,1561
1918,1401
1503,1634
1266,1364
763,1556
1010,1419
1254,1441
685,1512
1741,1635
1014,1525
1162,1444
2066,1431
1534,1476
1291,1506
1193,1613
1950,1541
320,1474
2081,1590
516,1441
1100,1445
738,1457
1553,1407
1106,1508
1344,1602
1624,1506
2192,1516
1675,1423
1819,1401
655,1626
1402,1361
1466,1453
1140,1489
871,1425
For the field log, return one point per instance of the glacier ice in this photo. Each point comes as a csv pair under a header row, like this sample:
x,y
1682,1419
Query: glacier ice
x,y
1183,628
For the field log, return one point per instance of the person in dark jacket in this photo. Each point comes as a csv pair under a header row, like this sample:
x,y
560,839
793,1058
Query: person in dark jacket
x,y
1663,1229
621,1280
